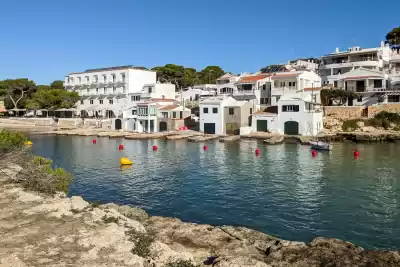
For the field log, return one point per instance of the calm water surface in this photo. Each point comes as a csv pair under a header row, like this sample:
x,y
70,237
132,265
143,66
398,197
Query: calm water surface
x,y
284,192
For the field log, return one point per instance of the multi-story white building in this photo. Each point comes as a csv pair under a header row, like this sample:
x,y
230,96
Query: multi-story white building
x,y
340,62
107,91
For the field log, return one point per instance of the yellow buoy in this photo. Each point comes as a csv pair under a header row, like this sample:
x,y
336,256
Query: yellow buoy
x,y
28,143
125,161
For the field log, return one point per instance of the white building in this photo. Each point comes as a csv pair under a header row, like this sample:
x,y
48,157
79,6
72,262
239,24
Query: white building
x,y
291,83
107,91
212,114
340,62
294,115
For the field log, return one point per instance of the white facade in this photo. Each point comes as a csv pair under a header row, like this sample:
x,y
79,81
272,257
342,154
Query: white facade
x,y
291,83
297,115
340,62
106,92
212,114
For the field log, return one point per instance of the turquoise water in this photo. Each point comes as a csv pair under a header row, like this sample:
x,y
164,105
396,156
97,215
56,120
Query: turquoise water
x,y
284,192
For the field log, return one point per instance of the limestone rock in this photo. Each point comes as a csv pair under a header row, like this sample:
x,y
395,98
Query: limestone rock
x,y
10,171
78,204
360,124
133,213
368,129
274,140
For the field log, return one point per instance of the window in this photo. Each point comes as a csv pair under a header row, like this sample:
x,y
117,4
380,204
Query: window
x,y
87,79
87,90
123,89
282,84
110,101
290,108
180,114
251,110
101,102
205,110
378,84
114,89
135,98
113,77
264,87
133,112
104,78
79,80
231,111
150,90
335,84
123,77
97,90
215,110
164,115
105,90
96,79
81,102
174,114
91,102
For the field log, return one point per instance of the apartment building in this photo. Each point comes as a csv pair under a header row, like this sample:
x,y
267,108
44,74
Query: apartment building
x,y
106,92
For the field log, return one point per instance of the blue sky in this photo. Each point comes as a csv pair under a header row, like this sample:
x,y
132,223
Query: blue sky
x,y
45,40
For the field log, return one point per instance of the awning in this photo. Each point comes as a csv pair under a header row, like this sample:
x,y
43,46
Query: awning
x,y
77,87
84,97
111,96
111,84
85,86
93,97
120,84
101,97
93,86
69,87
101,85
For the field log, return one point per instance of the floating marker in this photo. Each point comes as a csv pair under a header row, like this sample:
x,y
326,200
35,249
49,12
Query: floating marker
x,y
155,148
205,147
258,151
125,161
314,153
356,153
94,141
28,143
120,147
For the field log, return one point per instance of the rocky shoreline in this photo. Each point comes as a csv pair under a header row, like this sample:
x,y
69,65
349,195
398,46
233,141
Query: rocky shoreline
x,y
42,230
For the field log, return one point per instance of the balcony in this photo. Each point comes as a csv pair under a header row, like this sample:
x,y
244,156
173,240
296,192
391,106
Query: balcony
x,y
369,89
282,90
349,64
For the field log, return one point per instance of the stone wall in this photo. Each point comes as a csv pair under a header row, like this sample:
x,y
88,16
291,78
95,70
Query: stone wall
x,y
372,110
343,112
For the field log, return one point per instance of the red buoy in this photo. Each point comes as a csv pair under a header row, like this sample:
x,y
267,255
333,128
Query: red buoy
x,y
314,153
205,147
356,153
120,147
94,141
258,151
155,148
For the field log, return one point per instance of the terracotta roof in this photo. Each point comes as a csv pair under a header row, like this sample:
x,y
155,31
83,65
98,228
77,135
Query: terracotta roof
x,y
253,78
163,99
313,89
285,75
169,107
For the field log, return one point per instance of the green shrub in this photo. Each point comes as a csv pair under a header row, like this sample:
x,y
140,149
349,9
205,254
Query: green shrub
x,y
95,204
10,141
386,124
110,219
350,125
180,263
389,116
142,242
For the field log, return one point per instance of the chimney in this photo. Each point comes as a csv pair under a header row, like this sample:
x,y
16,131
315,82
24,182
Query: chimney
x,y
337,50
382,44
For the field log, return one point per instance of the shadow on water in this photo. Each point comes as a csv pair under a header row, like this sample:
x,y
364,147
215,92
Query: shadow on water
x,y
284,191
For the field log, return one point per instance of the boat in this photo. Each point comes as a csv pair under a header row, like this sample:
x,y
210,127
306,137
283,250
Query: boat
x,y
318,145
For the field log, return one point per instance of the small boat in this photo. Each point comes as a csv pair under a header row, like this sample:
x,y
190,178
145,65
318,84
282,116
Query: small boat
x,y
318,145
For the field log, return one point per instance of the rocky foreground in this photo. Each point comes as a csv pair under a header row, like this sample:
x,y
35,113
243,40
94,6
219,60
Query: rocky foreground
x,y
38,230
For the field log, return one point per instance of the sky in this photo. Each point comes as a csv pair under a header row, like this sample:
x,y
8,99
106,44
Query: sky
x,y
45,40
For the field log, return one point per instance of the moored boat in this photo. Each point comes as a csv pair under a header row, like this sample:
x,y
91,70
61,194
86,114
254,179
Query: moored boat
x,y
318,145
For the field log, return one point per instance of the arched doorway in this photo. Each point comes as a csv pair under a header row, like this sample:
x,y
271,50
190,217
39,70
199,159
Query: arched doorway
x,y
291,128
118,124
163,126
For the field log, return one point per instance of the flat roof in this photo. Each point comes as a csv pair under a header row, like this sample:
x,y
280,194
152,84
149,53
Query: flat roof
x,y
343,53
112,69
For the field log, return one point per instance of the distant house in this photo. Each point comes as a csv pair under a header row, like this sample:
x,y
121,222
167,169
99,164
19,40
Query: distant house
x,y
2,107
295,115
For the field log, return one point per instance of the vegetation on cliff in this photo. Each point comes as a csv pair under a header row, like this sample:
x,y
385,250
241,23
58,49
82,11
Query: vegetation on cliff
x,y
36,173
383,119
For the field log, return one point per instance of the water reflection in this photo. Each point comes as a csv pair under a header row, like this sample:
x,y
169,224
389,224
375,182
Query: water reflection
x,y
284,191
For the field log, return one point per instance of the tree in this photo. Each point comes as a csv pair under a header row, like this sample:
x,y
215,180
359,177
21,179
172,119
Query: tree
x,y
334,96
190,77
170,73
43,87
393,37
15,91
52,99
57,84
210,74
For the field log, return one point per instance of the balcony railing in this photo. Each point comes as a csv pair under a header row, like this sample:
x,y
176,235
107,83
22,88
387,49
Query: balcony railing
x,y
369,89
